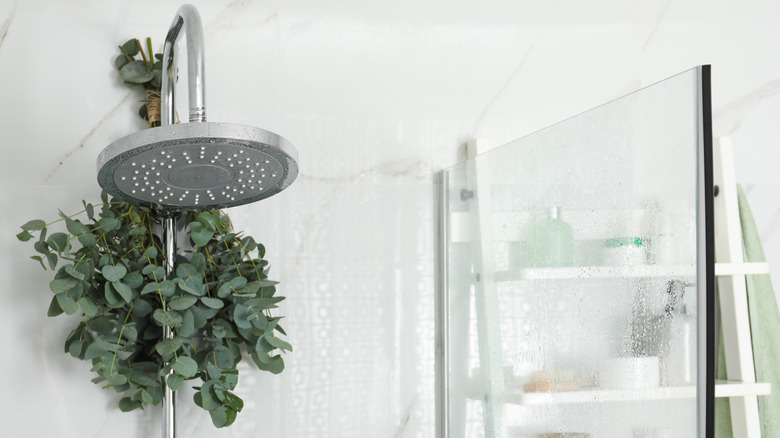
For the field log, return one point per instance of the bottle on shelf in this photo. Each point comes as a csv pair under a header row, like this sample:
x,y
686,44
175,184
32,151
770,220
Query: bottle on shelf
x,y
552,241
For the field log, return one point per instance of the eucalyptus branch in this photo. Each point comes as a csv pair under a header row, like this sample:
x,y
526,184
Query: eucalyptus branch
x,y
115,280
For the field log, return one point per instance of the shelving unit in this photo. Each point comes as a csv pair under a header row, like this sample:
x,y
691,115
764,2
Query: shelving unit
x,y
730,270
644,271
723,388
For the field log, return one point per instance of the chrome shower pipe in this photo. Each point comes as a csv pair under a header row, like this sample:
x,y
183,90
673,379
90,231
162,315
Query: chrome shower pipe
x,y
169,397
187,17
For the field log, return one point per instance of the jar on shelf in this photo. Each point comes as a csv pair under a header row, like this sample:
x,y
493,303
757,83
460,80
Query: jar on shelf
x,y
625,251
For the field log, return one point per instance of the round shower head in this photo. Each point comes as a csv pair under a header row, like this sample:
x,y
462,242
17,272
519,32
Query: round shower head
x,y
197,166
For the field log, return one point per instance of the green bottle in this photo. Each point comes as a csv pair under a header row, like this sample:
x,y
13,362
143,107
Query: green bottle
x,y
552,241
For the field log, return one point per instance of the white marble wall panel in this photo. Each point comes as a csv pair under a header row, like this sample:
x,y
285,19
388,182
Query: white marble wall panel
x,y
377,96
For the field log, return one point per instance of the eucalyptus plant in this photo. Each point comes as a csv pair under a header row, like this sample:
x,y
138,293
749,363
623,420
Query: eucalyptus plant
x,y
143,74
109,268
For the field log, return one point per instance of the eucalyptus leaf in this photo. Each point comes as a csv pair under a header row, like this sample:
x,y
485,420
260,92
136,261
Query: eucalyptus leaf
x,y
74,273
226,289
58,241
88,306
114,273
278,343
41,246
102,323
228,398
275,365
130,332
76,348
52,259
213,372
199,234
199,317
223,357
168,346
167,288
131,47
135,86
185,366
241,315
187,327
209,400
39,260
184,270
222,416
193,285
141,308
93,351
214,303
123,290
155,272
170,318
62,285
34,225
88,240
210,219
174,381
106,345
24,236
76,227
259,322
133,279
120,61
113,299
262,350
263,303
150,252
54,307
251,288
116,379
109,224
126,404
156,81
183,303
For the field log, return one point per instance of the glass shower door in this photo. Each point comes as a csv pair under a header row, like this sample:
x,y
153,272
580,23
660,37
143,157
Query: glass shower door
x,y
576,274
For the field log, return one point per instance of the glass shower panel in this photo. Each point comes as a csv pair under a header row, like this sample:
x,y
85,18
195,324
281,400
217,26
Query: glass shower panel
x,y
573,275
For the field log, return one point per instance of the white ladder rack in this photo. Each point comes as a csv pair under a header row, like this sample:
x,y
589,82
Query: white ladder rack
x,y
732,292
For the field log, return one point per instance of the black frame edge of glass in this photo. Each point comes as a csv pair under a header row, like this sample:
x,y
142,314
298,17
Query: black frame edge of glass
x,y
709,217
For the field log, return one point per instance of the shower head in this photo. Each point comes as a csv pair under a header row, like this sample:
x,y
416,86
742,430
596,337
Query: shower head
x,y
198,165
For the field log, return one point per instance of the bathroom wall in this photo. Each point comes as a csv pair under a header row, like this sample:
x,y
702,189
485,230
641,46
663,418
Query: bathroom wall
x,y
377,97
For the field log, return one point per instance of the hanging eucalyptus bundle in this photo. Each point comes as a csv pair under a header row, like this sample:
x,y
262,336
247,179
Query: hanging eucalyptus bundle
x,y
110,268
143,74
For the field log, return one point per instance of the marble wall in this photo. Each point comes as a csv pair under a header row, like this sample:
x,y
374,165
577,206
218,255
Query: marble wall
x,y
377,97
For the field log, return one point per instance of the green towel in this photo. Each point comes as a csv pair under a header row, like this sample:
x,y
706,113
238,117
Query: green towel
x,y
764,323
722,407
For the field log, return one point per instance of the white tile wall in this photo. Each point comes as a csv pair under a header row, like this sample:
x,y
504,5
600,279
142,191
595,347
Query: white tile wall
x,y
377,96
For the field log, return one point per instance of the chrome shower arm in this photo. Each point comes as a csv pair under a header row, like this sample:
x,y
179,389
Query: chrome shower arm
x,y
187,17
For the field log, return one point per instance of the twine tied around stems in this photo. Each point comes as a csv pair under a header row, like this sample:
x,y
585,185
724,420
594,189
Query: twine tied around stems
x,y
153,107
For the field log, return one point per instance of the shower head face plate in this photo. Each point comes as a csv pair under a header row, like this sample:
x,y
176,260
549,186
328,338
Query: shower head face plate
x,y
197,166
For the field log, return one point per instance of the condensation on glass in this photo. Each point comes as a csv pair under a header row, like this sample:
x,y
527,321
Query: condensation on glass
x,y
573,275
